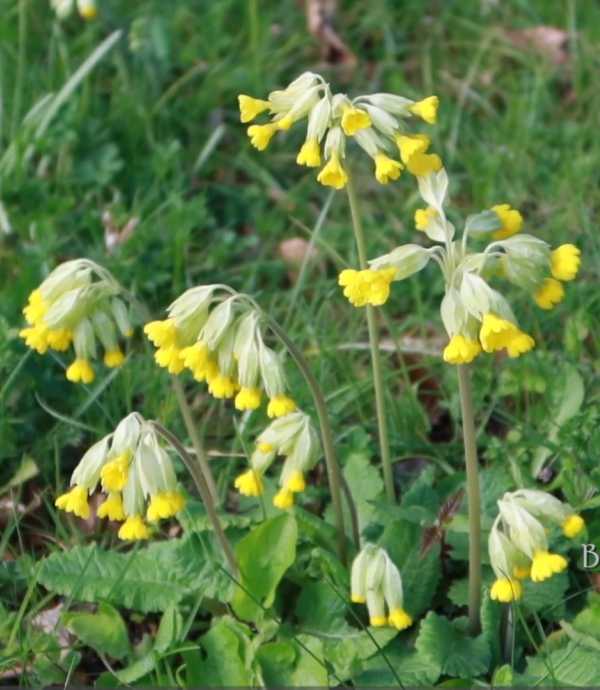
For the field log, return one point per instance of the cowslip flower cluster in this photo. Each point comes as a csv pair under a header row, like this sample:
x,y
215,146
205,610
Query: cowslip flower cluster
x,y
376,581
223,347
376,122
133,469
477,317
518,543
70,308
64,8
295,438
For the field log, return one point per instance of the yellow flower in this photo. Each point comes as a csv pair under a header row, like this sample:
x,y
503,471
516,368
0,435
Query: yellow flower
x,y
421,164
549,294
283,499
280,406
296,482
162,333
546,564
520,344
354,119
496,333
36,337
358,599
134,529
169,359
75,501
88,13
222,386
511,220
378,621
522,573
60,339
333,174
310,154
265,447
398,618
163,505
114,358
573,525
250,483
248,399
426,109
506,590
251,107
36,308
386,168
112,508
424,216
565,262
195,356
368,286
80,371
207,371
114,474
461,350
261,135
411,145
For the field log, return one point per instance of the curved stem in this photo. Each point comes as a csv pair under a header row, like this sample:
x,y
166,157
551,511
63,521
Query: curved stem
x,y
333,471
466,402
186,413
202,486
386,460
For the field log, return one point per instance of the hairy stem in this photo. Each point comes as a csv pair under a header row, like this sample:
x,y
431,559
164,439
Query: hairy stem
x,y
199,480
466,402
333,471
384,443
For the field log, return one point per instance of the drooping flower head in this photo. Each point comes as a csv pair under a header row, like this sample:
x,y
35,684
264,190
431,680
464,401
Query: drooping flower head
x,y
69,308
476,316
293,437
518,543
221,342
64,8
376,581
136,474
376,122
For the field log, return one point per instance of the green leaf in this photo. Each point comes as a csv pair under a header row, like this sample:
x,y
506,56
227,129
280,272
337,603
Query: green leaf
x,y
103,631
285,664
140,668
482,223
573,666
503,677
223,666
263,557
581,638
194,518
26,471
588,622
320,608
412,669
456,653
491,617
169,630
547,596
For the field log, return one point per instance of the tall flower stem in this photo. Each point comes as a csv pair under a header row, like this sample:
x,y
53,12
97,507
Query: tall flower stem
x,y
202,486
333,471
384,443
186,413
466,403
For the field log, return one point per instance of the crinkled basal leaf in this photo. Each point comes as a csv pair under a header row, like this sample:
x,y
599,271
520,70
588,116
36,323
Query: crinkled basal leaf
x,y
263,556
291,664
491,615
412,669
145,580
547,596
103,631
573,666
458,655
588,620
194,518
320,608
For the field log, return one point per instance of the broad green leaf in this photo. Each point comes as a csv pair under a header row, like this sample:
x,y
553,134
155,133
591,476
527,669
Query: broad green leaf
x,y
571,666
223,665
27,469
138,669
398,666
103,631
547,596
320,608
194,518
588,622
455,652
263,557
503,677
169,630
491,618
320,532
581,638
298,663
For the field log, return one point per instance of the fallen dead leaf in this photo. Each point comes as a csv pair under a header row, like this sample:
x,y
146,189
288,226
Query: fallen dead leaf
x,y
548,41
320,20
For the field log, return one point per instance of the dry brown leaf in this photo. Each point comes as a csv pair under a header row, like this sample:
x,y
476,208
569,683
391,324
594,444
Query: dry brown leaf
x,y
319,18
114,237
548,41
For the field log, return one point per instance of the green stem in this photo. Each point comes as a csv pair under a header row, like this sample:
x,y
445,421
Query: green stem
x,y
333,471
466,402
384,443
199,480
186,413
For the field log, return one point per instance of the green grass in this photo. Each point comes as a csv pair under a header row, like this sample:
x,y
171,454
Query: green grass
x,y
155,134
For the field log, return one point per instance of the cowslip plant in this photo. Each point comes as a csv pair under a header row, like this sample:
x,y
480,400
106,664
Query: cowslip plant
x,y
477,317
377,122
64,8
518,542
